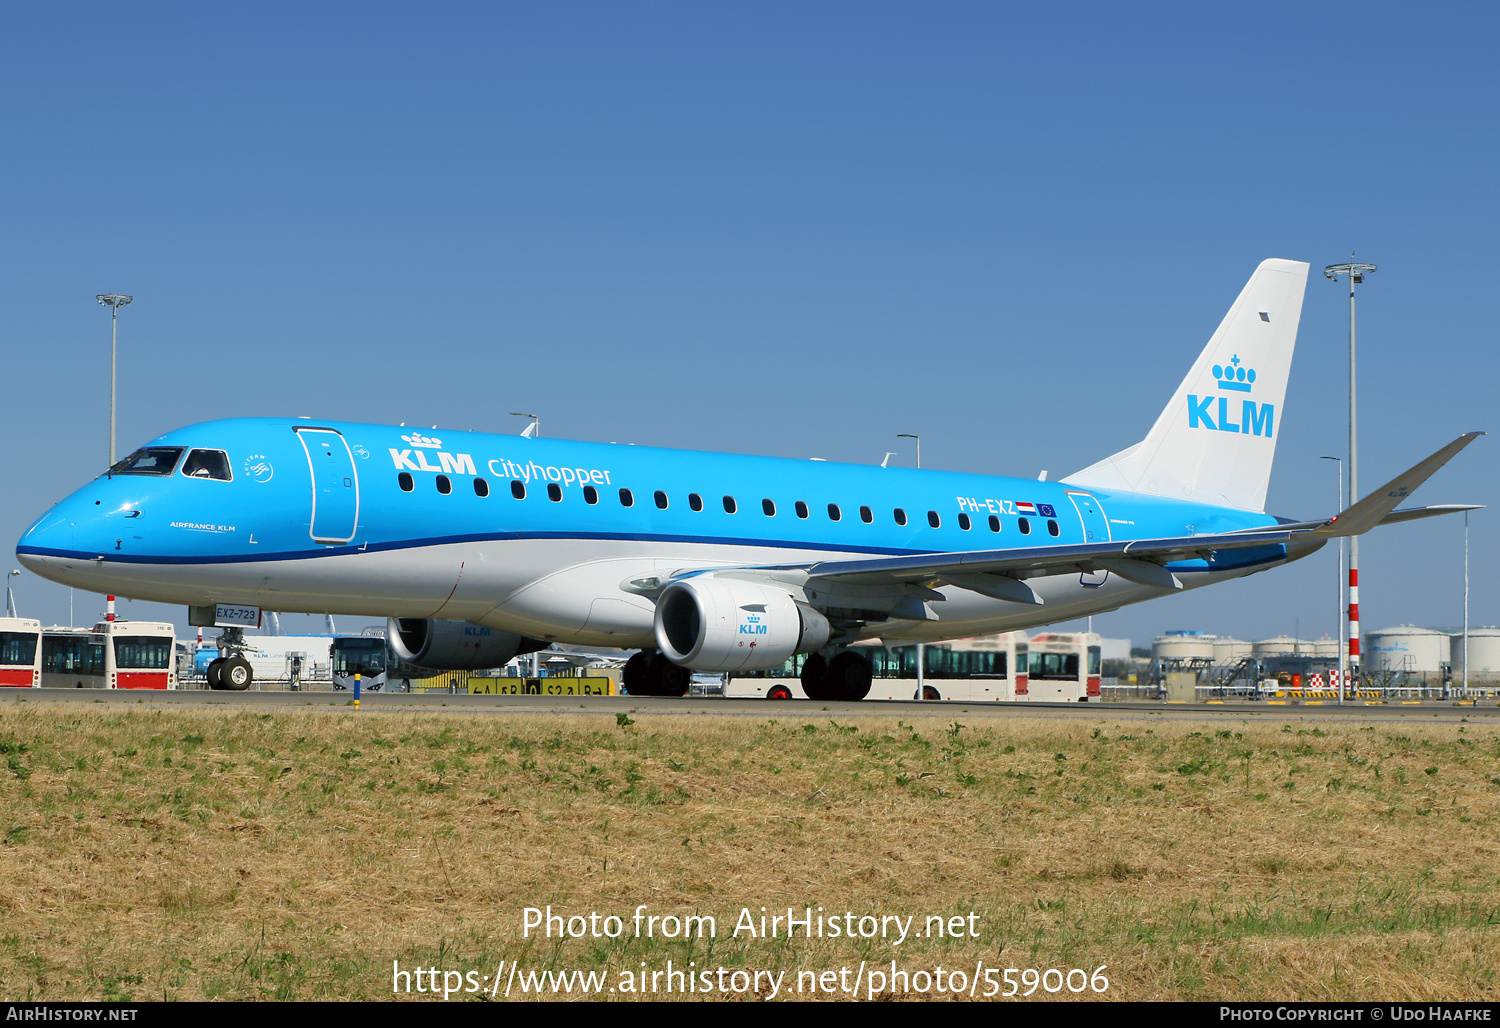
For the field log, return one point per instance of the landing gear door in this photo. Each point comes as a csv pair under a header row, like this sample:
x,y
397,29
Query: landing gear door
x,y
1095,530
335,485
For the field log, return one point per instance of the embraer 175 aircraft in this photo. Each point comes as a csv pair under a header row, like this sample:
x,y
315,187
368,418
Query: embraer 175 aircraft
x,y
479,547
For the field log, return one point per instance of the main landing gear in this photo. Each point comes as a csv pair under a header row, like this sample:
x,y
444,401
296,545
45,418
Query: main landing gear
x,y
845,677
648,673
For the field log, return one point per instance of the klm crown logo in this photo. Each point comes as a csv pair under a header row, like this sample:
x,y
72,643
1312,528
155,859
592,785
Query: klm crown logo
x,y
1234,377
1255,418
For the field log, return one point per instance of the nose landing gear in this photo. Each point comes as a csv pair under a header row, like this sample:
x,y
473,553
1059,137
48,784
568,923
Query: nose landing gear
x,y
231,671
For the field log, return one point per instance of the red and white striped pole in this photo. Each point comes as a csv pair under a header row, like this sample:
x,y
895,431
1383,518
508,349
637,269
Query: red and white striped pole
x,y
1353,618
109,608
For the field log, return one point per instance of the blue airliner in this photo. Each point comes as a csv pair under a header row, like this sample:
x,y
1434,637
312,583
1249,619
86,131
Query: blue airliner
x,y
480,547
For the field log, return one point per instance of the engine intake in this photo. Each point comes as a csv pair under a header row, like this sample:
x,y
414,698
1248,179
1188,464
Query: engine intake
x,y
454,645
725,624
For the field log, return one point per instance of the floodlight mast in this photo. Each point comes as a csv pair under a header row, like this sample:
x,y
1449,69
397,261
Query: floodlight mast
x,y
1356,274
531,431
114,301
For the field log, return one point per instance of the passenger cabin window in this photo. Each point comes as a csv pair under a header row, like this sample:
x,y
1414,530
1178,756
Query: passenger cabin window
x,y
934,520
481,487
833,512
866,515
1052,529
554,492
964,522
695,501
627,499
661,500
149,460
405,481
444,484
900,516
590,494
801,509
1025,525
518,489
729,505
207,464
769,506
994,523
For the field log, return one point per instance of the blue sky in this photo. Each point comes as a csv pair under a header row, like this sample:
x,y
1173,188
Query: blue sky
x,y
792,229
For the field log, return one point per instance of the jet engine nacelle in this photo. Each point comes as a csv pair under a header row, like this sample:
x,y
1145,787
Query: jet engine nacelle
x,y
725,624
454,645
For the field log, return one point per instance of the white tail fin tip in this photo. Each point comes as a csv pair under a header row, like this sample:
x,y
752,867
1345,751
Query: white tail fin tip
x,y
1216,439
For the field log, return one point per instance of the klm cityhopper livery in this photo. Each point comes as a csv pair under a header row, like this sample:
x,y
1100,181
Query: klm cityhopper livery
x,y
479,547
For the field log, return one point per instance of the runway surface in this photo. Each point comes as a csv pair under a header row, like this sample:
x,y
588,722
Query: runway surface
x,y
609,706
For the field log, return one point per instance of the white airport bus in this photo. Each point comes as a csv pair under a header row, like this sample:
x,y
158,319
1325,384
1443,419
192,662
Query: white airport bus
x,y
1065,667
982,669
364,655
111,655
20,653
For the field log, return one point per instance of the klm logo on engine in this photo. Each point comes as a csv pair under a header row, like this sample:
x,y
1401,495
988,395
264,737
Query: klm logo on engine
x,y
1254,418
753,625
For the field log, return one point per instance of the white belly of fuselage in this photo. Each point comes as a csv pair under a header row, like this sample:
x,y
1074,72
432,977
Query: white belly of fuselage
x,y
564,590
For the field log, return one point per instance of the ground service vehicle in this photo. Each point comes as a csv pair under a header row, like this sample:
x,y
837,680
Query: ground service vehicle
x,y
1065,667
987,668
111,655
361,655
20,653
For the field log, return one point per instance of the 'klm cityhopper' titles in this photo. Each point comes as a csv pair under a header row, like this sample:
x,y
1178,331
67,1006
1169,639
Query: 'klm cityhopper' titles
x,y
415,459
1255,418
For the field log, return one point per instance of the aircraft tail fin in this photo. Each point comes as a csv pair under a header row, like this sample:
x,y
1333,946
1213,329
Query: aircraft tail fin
x,y
1216,439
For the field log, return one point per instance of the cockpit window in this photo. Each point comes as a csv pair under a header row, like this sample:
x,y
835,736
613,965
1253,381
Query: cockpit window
x,y
149,460
207,464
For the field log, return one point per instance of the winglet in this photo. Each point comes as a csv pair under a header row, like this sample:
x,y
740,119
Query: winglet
x,y
1374,508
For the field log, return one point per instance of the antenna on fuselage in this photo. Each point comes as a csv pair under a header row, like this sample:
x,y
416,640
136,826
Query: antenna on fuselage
x,y
531,431
888,456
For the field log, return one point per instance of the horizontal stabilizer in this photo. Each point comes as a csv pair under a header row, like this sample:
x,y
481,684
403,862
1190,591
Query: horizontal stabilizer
x,y
1413,513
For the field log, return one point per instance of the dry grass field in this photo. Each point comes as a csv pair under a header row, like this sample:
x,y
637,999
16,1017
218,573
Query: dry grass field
x,y
204,854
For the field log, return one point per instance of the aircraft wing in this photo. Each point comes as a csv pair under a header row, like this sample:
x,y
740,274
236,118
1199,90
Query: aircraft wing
x,y
1002,574
1045,560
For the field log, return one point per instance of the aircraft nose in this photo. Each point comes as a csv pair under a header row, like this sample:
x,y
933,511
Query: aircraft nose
x,y
49,539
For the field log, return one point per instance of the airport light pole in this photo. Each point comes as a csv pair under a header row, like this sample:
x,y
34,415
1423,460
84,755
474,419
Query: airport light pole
x,y
1466,607
921,650
10,597
908,435
114,301
1356,274
533,430
1338,601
